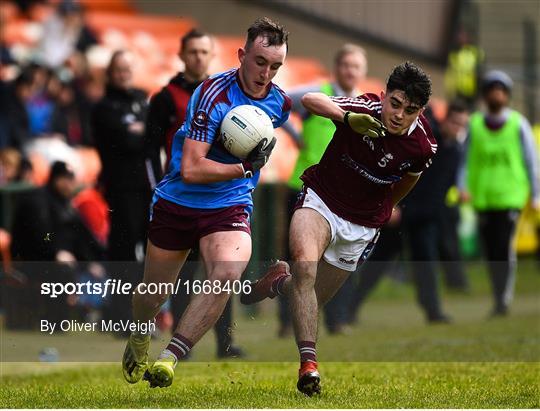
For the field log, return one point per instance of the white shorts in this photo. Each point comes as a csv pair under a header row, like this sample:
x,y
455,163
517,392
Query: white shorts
x,y
349,243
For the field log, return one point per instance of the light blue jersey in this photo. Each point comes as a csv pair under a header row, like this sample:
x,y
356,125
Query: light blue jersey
x,y
206,109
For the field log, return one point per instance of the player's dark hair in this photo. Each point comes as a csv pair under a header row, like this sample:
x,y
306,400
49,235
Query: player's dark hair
x,y
412,80
192,34
274,34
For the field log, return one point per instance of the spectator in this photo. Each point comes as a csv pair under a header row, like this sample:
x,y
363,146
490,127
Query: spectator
x,y
41,104
16,122
26,172
450,136
118,125
46,228
10,163
350,68
86,83
94,212
500,176
55,231
424,213
14,168
4,119
64,33
8,72
71,117
464,70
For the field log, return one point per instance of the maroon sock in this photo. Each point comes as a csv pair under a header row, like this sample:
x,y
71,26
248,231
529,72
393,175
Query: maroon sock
x,y
179,346
307,351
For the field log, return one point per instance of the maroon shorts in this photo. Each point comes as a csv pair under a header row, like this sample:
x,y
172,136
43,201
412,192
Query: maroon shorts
x,y
174,227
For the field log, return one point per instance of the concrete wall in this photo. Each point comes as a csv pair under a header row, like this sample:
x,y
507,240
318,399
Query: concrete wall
x,y
419,25
501,36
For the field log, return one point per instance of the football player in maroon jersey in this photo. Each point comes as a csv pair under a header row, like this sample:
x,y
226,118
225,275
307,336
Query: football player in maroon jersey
x,y
380,147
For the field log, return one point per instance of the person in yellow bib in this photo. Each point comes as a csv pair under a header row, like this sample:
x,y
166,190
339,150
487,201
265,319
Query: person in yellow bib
x,y
463,70
350,68
499,176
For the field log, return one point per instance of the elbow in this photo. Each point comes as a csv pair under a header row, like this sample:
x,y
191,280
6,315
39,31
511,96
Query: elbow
x,y
308,99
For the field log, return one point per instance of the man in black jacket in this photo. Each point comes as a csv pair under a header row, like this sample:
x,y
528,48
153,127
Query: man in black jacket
x,y
167,109
118,123
166,114
429,224
118,126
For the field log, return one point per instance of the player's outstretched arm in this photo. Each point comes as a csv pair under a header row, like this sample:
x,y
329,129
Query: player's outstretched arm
x,y
197,169
321,105
361,123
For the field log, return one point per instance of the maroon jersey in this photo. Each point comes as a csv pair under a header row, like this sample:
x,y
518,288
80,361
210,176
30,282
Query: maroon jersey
x,y
356,173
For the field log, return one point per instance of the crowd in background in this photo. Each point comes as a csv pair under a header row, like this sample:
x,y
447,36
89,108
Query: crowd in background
x,y
56,97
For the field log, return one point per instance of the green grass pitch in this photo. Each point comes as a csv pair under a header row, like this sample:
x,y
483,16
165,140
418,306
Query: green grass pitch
x,y
271,385
391,359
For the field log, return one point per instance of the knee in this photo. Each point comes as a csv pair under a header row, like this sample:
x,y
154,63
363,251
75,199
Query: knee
x,y
304,273
298,255
223,279
303,260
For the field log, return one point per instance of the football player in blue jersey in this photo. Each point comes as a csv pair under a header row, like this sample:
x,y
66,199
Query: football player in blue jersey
x,y
205,200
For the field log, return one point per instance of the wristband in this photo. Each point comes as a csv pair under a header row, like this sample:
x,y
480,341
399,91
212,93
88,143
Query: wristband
x,y
247,167
346,118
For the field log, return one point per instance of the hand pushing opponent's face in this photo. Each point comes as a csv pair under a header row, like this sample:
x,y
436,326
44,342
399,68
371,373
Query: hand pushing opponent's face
x,y
398,113
259,63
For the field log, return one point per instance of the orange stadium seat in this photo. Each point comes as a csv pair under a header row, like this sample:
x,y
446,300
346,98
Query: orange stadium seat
x,y
40,169
129,24
169,44
39,12
91,165
117,6
20,31
300,71
8,12
226,53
